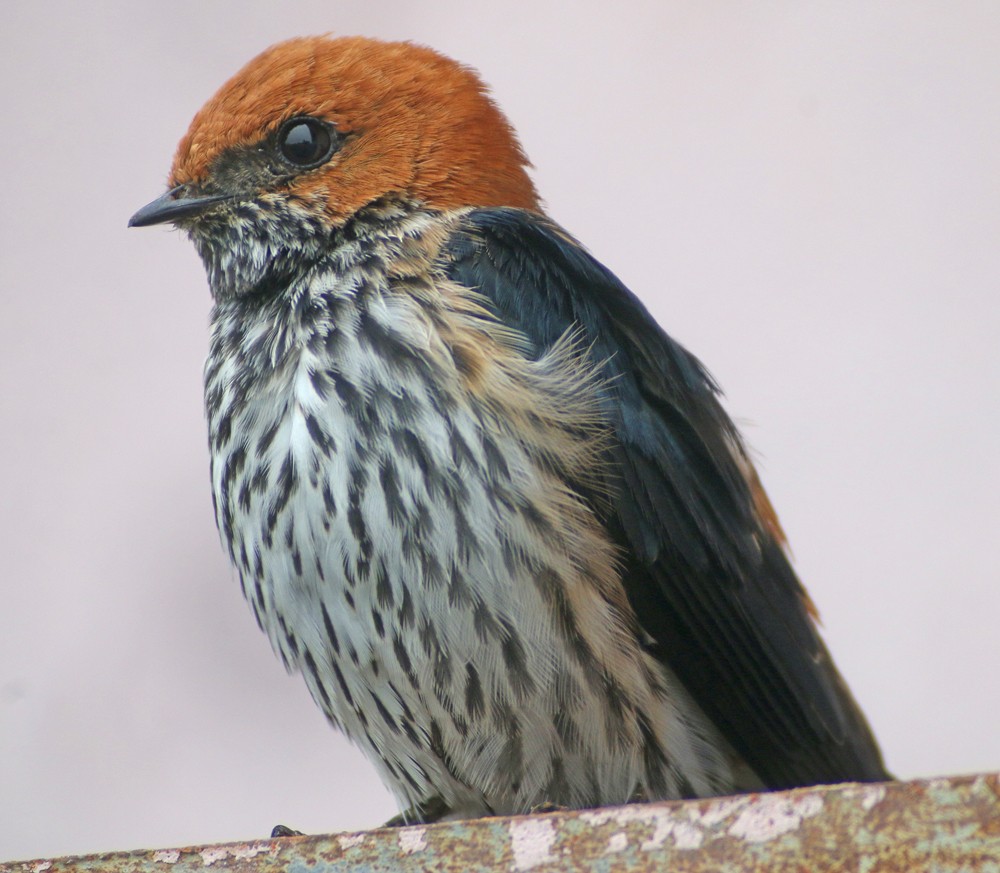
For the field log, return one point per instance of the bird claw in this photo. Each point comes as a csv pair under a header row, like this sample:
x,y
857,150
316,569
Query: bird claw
x,y
546,806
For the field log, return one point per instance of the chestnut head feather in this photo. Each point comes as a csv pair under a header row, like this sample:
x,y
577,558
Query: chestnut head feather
x,y
349,120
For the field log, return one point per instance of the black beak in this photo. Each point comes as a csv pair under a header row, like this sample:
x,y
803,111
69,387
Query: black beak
x,y
173,205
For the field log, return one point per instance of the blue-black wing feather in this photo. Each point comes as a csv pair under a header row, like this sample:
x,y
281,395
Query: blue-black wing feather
x,y
708,578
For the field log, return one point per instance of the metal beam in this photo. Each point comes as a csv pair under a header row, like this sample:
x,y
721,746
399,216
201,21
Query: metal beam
x,y
939,825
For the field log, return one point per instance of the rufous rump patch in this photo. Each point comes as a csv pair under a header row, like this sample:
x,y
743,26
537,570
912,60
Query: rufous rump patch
x,y
768,518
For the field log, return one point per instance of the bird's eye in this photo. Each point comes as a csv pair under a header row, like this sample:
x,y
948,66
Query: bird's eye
x,y
305,142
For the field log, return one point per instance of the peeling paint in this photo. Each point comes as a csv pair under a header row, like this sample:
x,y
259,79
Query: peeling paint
x,y
871,796
718,811
210,856
663,824
412,840
617,842
687,836
349,841
596,819
772,815
236,851
531,842
624,816
167,856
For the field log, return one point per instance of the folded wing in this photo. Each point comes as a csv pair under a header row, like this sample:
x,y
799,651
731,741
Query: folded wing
x,y
704,563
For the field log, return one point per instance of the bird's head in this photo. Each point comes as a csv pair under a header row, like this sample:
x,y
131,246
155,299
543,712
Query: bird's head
x,y
315,129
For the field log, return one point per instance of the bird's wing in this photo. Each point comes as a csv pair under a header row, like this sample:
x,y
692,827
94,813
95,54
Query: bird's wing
x,y
704,563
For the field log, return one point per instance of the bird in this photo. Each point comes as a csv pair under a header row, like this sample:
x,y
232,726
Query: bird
x,y
493,514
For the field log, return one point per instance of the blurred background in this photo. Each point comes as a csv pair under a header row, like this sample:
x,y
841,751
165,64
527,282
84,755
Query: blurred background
x,y
806,195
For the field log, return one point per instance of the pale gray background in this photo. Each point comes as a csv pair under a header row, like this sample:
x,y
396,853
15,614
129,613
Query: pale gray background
x,y
807,195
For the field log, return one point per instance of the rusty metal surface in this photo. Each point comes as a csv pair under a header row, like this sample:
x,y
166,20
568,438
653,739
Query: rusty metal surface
x,y
939,825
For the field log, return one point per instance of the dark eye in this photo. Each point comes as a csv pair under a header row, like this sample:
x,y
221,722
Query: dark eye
x,y
305,142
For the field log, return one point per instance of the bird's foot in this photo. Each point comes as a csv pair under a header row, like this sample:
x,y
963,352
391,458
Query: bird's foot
x,y
426,812
546,806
